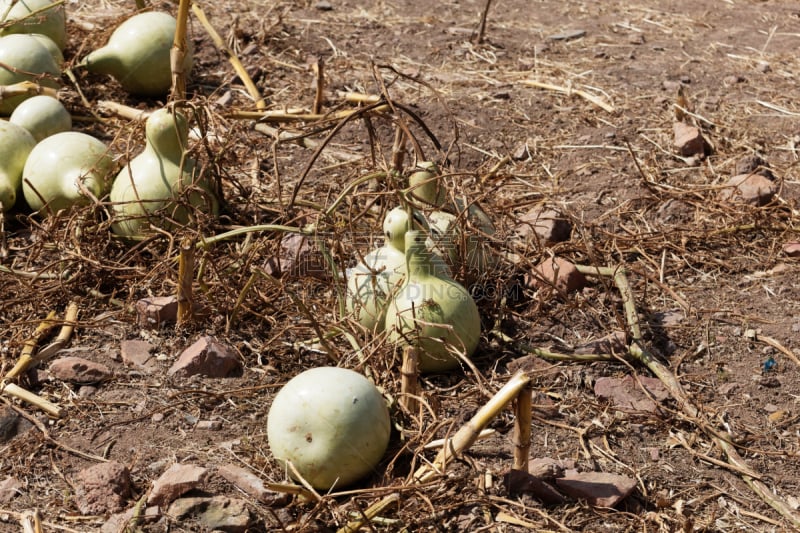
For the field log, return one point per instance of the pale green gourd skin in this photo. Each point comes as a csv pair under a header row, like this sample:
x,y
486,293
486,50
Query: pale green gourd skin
x,y
432,312
145,191
424,187
60,166
15,145
26,53
137,54
332,424
42,116
51,22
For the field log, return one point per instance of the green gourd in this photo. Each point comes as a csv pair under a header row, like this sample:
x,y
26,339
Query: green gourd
x,y
29,60
15,145
161,185
137,54
331,423
51,21
42,116
426,186
65,170
432,312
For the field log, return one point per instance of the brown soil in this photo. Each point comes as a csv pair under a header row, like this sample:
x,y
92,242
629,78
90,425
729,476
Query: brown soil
x,y
704,273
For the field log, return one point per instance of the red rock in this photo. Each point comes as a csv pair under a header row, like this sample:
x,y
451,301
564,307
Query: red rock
x,y
136,352
792,248
548,225
175,481
556,271
249,483
217,513
206,357
752,189
546,468
103,488
78,370
517,481
626,394
597,488
156,311
9,488
688,140
119,522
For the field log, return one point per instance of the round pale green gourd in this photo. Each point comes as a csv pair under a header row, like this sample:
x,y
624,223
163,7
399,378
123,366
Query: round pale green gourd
x,y
63,168
161,185
30,60
50,22
425,186
42,116
15,145
432,312
51,46
137,54
331,423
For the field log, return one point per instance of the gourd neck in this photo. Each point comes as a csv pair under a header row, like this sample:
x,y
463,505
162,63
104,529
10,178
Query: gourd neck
x,y
103,61
418,257
167,135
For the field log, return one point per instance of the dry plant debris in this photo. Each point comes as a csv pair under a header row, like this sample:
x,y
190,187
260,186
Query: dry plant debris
x,y
310,116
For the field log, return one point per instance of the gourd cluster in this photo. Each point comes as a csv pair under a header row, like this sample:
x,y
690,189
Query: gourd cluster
x,y
56,168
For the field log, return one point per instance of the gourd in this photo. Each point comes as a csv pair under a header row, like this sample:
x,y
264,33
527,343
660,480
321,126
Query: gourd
x,y
331,423
15,145
42,116
65,170
447,236
137,54
432,312
371,282
28,60
162,184
50,19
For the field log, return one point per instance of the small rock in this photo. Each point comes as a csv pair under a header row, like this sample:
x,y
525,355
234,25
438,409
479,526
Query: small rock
x,y
763,67
671,85
517,481
688,139
323,5
209,425
792,248
9,488
206,357
178,479
103,488
79,370
547,224
625,394
752,164
556,271
136,352
9,421
521,152
752,189
251,484
217,513
597,488
156,311
545,468
733,79
613,343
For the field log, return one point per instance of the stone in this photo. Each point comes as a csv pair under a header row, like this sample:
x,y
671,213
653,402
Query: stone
x,y
752,164
103,488
136,352
751,189
517,481
567,35
688,139
547,224
176,480
625,394
9,488
298,257
557,272
792,248
79,370
323,5
157,311
206,357
252,485
545,468
217,513
596,488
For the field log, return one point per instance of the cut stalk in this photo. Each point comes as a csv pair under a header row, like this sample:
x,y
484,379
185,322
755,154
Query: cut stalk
x,y
185,276
522,428
409,386
178,53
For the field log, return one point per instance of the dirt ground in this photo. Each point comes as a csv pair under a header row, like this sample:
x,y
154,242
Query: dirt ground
x,y
568,105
